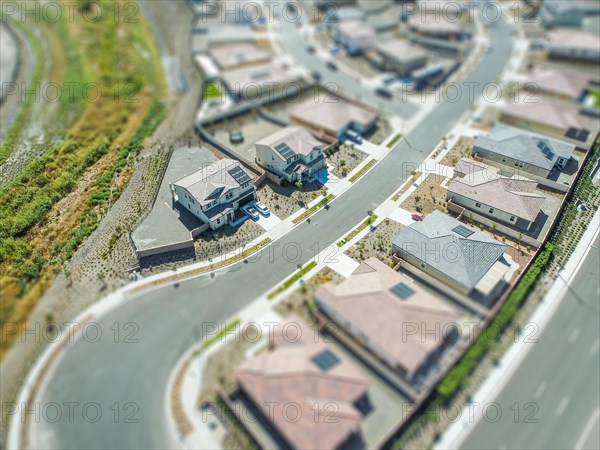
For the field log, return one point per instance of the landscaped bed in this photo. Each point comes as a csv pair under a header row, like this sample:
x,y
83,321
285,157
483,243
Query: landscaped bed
x,y
428,197
460,150
377,243
345,159
301,301
285,200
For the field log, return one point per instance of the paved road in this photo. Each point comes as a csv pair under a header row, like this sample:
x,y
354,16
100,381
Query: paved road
x,y
295,45
107,372
560,377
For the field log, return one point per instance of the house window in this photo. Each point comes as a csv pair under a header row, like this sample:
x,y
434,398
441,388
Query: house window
x,y
423,265
229,195
189,207
512,218
478,205
491,210
219,220
503,159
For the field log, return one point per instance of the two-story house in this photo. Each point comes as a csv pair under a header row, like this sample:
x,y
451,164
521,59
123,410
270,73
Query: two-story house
x,y
291,153
494,193
216,192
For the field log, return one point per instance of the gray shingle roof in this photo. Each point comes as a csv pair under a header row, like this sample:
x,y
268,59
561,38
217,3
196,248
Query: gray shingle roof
x,y
464,259
523,146
213,181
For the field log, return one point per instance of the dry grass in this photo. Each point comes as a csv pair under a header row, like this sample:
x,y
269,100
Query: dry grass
x,y
428,197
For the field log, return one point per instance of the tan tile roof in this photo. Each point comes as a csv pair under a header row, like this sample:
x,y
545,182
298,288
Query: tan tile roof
x,y
539,109
573,38
232,55
287,374
401,50
333,114
563,82
366,301
486,184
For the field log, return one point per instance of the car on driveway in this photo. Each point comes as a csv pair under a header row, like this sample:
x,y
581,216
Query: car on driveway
x,y
252,213
262,208
417,217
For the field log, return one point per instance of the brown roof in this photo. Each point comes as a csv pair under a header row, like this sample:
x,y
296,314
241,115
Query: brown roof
x,y
288,375
232,55
299,141
573,38
539,109
366,300
333,114
559,81
486,184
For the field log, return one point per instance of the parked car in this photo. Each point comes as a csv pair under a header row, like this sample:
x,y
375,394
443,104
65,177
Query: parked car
x,y
332,66
382,92
316,75
354,136
417,217
252,213
334,51
310,49
390,79
262,208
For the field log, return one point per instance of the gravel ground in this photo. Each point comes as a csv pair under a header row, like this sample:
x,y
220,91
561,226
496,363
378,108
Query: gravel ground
x,y
428,197
462,149
347,156
377,243
300,302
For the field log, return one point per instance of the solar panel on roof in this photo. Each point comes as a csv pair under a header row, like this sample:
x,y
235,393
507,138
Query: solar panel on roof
x,y
285,150
463,231
239,175
402,290
326,360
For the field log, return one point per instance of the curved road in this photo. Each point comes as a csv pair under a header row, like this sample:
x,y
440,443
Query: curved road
x,y
99,375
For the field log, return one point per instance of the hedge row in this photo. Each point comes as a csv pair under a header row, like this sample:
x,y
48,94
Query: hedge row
x,y
459,374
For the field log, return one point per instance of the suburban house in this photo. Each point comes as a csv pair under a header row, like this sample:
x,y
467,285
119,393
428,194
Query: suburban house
x,y
561,120
261,81
354,35
453,253
378,307
438,26
330,118
214,193
575,44
291,153
494,193
563,84
523,151
238,55
567,13
399,56
302,370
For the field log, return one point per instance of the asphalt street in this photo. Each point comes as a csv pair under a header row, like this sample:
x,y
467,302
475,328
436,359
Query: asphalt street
x,y
131,378
552,400
295,45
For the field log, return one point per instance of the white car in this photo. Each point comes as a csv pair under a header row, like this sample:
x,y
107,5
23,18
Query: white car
x,y
252,213
262,208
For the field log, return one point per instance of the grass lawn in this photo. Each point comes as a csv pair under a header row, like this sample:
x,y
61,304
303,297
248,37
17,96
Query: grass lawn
x,y
212,91
595,93
59,198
